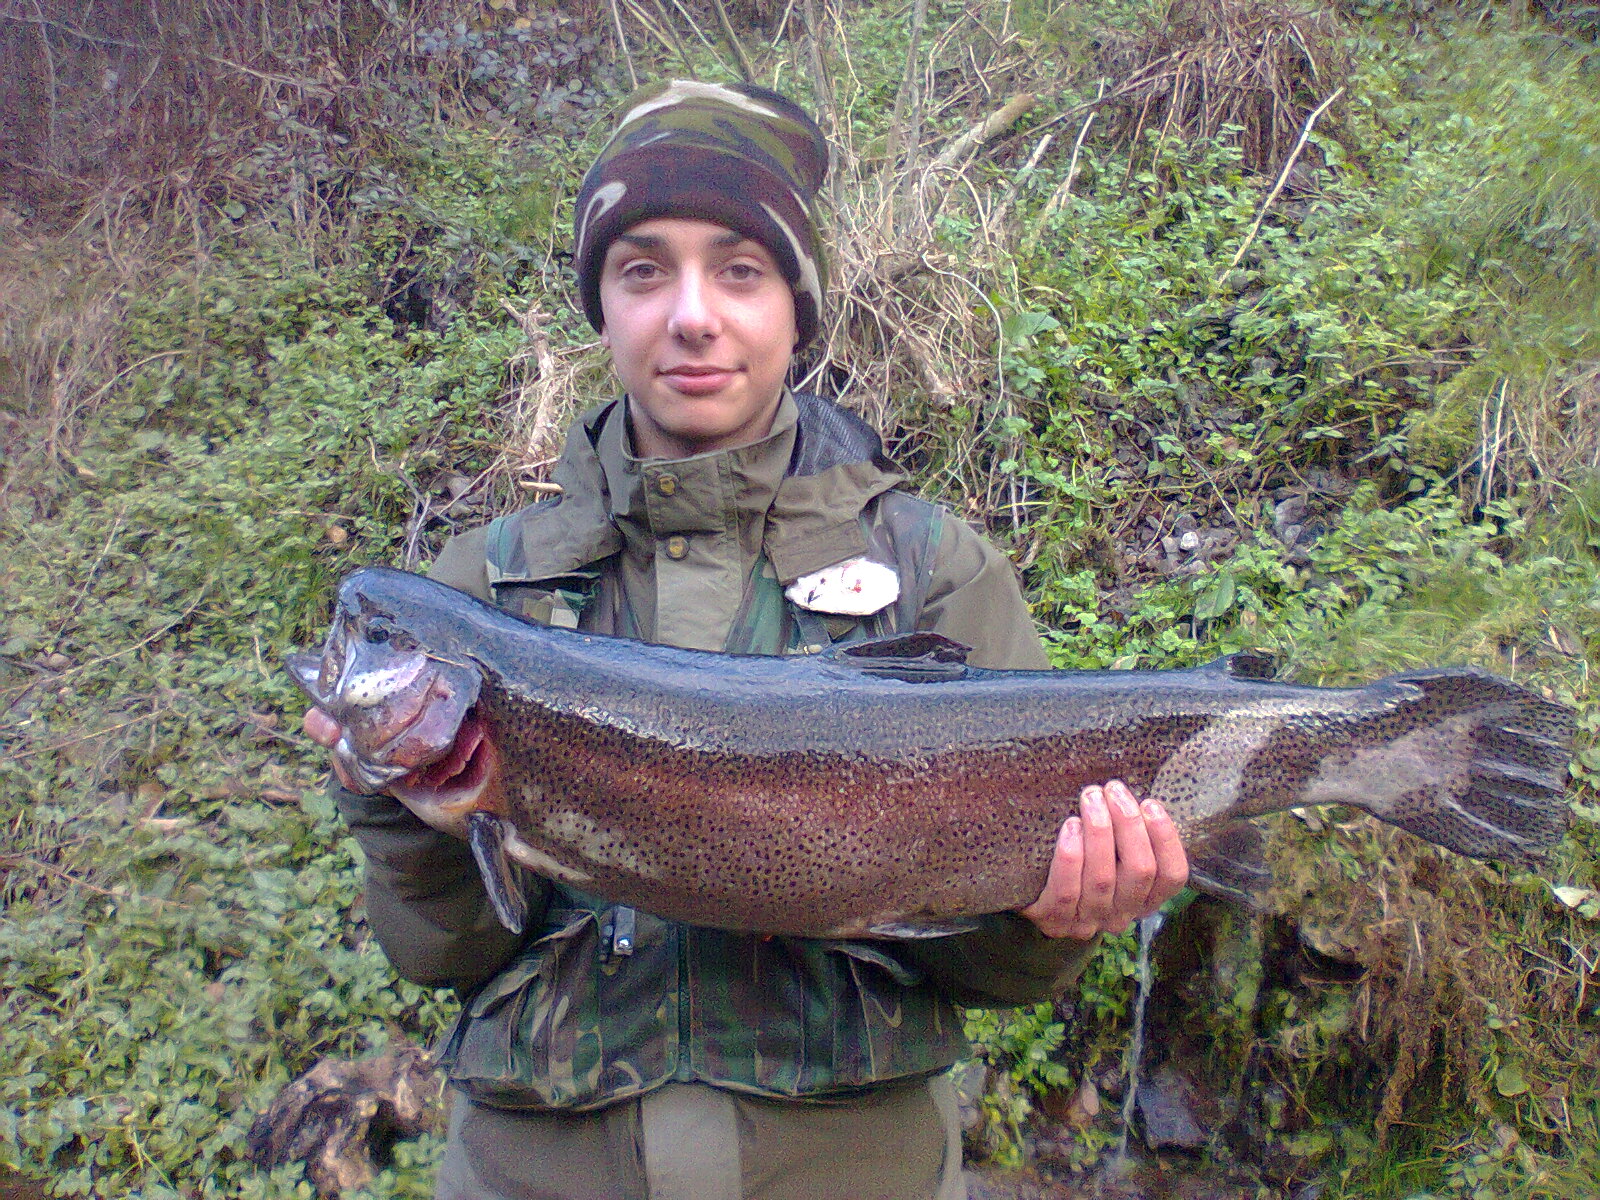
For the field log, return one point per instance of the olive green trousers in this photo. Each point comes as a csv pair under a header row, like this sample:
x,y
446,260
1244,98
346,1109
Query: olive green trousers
x,y
692,1142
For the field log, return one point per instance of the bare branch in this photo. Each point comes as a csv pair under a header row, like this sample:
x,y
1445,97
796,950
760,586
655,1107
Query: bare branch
x,y
1283,175
746,68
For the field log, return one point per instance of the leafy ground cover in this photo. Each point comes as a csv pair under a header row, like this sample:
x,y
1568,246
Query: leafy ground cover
x,y
1354,420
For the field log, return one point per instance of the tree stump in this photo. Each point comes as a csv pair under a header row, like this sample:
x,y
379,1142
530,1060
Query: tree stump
x,y
341,1117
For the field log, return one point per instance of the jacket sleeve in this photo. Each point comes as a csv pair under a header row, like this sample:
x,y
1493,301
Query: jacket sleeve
x,y
426,902
974,598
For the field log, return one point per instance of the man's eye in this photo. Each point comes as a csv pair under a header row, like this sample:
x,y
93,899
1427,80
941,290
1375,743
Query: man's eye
x,y
744,272
640,271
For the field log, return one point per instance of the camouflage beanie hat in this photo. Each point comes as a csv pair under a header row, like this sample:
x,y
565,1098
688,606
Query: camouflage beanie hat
x,y
740,155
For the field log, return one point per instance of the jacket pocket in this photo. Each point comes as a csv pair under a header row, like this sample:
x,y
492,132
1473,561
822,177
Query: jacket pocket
x,y
561,1026
891,1022
800,1017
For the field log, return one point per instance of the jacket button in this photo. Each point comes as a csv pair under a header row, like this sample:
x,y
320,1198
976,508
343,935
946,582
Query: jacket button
x,y
677,546
666,483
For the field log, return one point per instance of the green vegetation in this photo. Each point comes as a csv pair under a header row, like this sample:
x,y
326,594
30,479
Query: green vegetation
x,y
1355,421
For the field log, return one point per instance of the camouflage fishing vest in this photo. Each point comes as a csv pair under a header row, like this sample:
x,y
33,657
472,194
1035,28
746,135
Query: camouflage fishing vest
x,y
607,1002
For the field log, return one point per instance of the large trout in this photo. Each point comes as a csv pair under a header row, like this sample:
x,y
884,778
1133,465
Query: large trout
x,y
884,788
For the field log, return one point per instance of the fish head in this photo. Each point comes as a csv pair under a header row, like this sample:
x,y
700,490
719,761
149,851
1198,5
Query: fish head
x,y
401,704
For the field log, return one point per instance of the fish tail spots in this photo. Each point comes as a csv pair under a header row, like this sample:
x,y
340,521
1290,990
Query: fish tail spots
x,y
1499,791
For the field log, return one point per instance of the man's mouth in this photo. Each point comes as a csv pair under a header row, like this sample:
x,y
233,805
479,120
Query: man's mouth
x,y
698,380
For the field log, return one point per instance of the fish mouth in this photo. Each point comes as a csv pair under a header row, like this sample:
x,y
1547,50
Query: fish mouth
x,y
412,730
456,780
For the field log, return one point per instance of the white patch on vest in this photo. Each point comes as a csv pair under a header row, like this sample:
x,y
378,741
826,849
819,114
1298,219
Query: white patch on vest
x,y
541,863
597,845
680,90
367,689
603,201
856,587
809,280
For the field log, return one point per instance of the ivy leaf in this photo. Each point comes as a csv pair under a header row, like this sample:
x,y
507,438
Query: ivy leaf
x,y
1216,599
1508,1080
1022,327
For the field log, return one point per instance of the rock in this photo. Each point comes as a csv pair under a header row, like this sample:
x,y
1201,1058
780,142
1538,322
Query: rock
x,y
1288,512
1189,541
1327,482
1186,523
338,1113
1166,1111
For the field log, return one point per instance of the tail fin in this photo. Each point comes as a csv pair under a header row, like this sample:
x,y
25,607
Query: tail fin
x,y
1498,773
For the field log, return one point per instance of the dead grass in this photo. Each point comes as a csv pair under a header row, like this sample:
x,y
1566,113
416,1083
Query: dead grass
x,y
1543,431
1463,973
546,388
61,306
1257,67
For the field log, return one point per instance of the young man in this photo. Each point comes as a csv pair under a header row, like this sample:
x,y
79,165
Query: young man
x,y
610,1053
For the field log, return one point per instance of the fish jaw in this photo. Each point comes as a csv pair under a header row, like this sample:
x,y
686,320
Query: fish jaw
x,y
400,707
446,792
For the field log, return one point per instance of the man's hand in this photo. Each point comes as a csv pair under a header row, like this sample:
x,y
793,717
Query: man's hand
x,y
1119,861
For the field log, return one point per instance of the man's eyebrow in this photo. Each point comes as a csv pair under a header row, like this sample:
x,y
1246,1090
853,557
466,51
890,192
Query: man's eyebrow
x,y
731,238
643,241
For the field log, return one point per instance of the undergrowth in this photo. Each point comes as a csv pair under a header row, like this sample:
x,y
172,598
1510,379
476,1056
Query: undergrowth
x,y
1351,423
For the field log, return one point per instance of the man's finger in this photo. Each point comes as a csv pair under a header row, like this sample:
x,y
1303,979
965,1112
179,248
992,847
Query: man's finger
x,y
1098,898
320,727
1136,859
1172,863
1054,908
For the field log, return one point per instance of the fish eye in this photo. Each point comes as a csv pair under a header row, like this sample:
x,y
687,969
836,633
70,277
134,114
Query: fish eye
x,y
381,631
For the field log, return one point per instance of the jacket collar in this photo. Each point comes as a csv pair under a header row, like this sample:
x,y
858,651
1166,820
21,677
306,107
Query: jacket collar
x,y
807,482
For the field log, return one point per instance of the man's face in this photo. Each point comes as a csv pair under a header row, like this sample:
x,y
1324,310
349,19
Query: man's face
x,y
700,325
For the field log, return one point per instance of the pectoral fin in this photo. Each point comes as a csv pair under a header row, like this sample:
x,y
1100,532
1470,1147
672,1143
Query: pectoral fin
x,y
486,834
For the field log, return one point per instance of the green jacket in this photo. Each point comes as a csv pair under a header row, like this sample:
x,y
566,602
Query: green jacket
x,y
600,1002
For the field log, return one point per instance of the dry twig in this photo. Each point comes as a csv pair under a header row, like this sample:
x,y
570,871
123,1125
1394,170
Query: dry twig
x,y
1283,176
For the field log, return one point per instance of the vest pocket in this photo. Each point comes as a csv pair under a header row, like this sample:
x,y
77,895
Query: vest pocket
x,y
561,1027
794,1017
891,1023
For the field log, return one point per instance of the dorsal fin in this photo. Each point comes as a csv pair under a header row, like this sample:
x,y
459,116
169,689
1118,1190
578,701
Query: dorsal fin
x,y
1244,664
911,657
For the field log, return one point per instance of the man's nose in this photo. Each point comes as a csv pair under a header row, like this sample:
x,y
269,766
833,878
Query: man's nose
x,y
693,317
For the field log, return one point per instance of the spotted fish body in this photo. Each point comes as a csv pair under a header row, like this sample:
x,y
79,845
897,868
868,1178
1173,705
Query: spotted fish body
x,y
886,786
